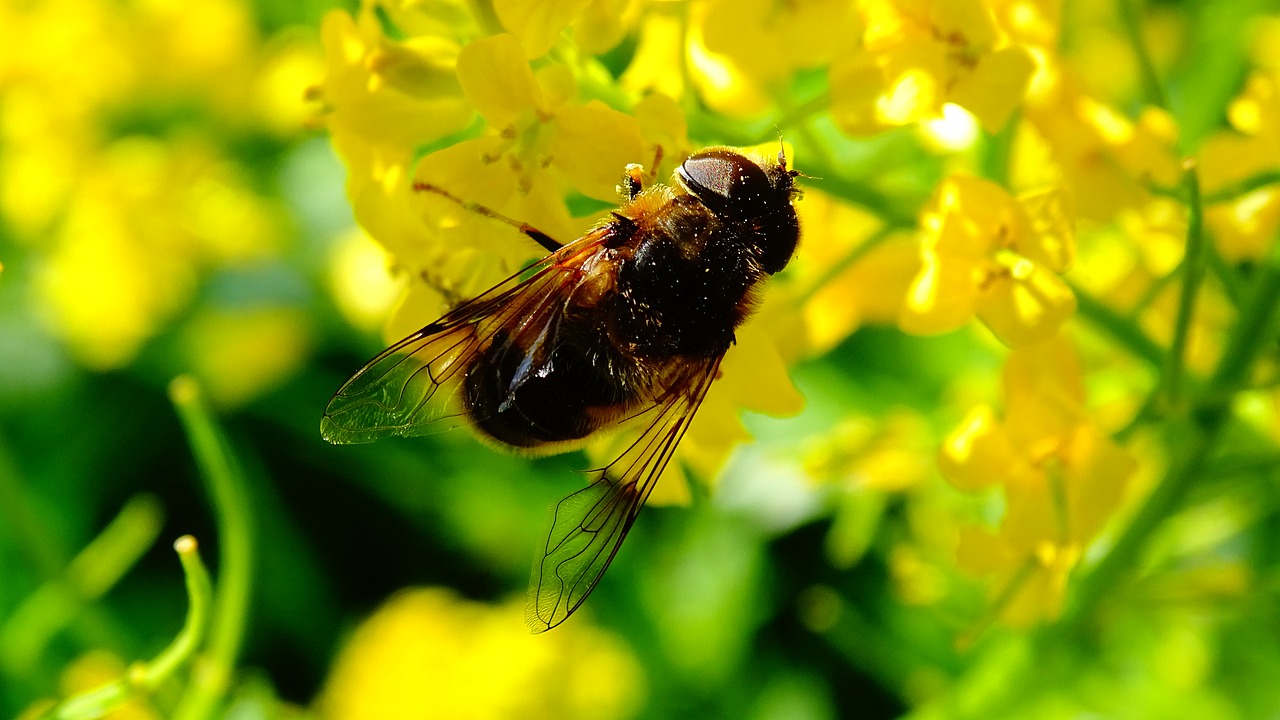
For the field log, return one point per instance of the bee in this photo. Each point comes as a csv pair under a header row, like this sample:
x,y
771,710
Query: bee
x,y
625,326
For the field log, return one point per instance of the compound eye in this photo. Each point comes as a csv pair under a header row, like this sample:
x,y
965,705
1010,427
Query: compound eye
x,y
724,180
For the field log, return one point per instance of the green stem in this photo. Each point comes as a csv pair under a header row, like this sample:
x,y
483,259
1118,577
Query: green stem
x,y
1163,500
1119,328
229,497
1231,281
19,520
146,677
1193,265
1256,331
997,606
1151,87
1244,187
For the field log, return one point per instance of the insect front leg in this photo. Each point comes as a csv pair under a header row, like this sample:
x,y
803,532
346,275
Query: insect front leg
x,y
634,179
543,239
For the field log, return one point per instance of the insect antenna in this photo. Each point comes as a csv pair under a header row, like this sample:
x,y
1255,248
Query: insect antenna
x,y
537,235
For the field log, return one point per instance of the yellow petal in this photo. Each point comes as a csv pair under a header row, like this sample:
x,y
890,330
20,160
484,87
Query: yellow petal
x,y
1097,477
412,104
239,355
1026,304
603,24
995,87
1244,230
592,146
1043,392
856,84
537,23
497,79
941,299
1052,242
978,454
428,653
980,552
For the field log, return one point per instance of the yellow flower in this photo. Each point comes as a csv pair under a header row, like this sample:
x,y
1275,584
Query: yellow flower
x,y
382,100
989,255
1061,477
1244,227
239,355
429,654
866,453
540,126
916,56
759,45
1105,161
143,221
541,144
845,275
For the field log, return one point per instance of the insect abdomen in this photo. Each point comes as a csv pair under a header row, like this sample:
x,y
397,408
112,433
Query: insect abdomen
x,y
525,401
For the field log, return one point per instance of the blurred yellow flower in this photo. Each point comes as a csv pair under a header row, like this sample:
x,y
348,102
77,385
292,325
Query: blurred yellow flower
x,y
865,453
850,271
916,56
141,225
744,52
1104,161
987,254
1061,477
238,355
123,221
537,23
429,654
1244,227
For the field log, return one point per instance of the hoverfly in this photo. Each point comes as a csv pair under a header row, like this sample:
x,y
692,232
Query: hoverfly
x,y
627,325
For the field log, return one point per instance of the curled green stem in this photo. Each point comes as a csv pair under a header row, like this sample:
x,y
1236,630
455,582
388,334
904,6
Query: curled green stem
x,y
229,496
146,677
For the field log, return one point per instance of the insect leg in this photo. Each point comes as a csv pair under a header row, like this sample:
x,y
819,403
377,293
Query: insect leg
x,y
543,239
634,179
657,161
631,181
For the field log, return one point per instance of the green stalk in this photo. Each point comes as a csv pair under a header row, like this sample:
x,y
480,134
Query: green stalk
x,y
229,496
1193,268
1208,416
147,677
1120,328
1244,187
1151,87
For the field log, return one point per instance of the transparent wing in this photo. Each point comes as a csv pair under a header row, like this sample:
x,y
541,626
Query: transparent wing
x,y
411,388
588,527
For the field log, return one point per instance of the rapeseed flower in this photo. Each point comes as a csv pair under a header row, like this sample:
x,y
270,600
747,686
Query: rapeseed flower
x,y
989,255
1061,478
427,653
915,57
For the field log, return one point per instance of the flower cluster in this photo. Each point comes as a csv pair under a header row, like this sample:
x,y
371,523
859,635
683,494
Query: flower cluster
x,y
120,205
1056,207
